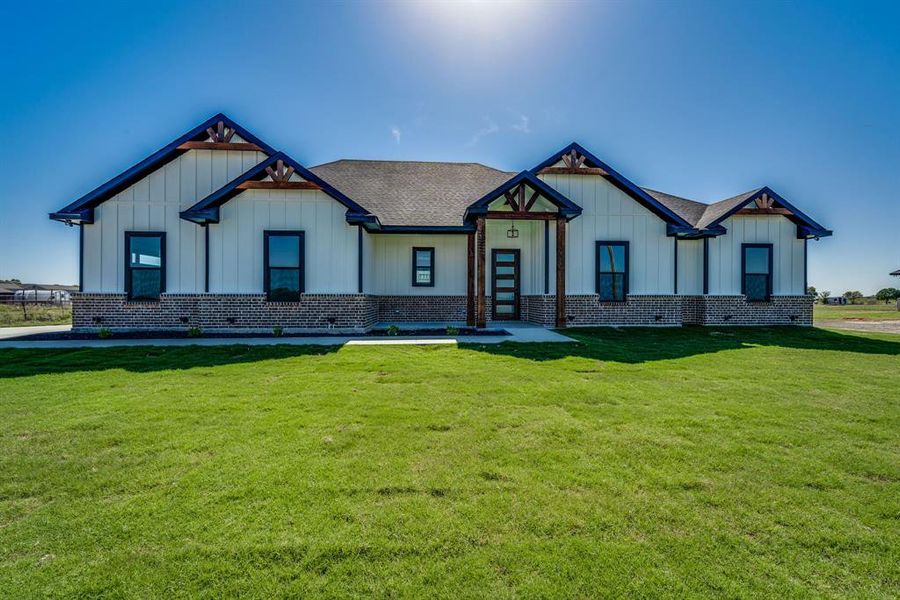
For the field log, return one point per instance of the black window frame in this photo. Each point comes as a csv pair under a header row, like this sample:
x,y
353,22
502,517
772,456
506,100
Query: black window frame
x,y
626,272
301,235
770,274
129,268
430,250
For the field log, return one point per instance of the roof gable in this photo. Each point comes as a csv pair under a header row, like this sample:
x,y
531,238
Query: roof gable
x,y
576,159
217,132
720,211
566,207
279,171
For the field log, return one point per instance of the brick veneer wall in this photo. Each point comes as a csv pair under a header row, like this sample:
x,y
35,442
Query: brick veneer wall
x,y
421,308
344,312
540,309
735,310
587,309
359,312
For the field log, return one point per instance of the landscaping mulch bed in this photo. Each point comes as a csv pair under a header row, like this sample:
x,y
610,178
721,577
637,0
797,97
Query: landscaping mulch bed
x,y
180,335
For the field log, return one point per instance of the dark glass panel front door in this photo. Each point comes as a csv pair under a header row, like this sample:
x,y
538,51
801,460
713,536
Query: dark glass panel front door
x,y
505,284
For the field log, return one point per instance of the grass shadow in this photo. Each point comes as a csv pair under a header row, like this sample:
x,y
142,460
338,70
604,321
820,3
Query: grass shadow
x,y
645,344
25,362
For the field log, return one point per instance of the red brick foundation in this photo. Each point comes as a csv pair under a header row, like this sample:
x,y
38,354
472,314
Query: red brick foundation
x,y
735,310
315,312
420,308
359,312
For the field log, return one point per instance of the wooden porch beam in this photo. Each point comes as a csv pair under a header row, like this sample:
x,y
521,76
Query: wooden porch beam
x,y
765,211
573,171
480,320
245,146
561,273
470,280
528,216
278,185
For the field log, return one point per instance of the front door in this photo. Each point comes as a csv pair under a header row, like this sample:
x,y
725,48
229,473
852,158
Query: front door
x,y
505,284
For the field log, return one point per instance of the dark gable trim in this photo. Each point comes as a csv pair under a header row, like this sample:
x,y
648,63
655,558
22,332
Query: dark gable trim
x,y
623,184
82,210
207,209
568,209
430,229
806,227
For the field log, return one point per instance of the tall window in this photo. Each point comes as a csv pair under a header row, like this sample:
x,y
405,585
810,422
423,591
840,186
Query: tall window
x,y
283,265
423,267
612,271
756,271
145,265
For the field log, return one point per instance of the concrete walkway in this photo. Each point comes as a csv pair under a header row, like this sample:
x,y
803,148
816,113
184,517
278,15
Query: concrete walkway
x,y
520,332
7,333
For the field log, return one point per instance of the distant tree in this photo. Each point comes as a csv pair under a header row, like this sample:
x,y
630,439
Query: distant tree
x,y
811,291
823,296
853,296
887,295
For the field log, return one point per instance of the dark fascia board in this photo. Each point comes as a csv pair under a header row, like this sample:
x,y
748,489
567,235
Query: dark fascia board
x,y
207,210
692,233
568,209
430,229
81,211
620,181
806,227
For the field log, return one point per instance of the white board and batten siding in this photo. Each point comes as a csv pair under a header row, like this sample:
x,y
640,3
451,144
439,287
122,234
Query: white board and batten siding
x,y
236,242
690,267
788,258
154,204
390,271
609,214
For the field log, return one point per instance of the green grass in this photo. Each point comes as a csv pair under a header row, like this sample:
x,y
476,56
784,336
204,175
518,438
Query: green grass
x,y
867,312
677,463
36,314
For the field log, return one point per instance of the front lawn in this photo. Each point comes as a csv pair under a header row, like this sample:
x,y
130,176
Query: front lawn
x,y
865,312
674,462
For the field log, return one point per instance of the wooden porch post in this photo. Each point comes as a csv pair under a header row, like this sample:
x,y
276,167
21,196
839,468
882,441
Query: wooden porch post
x,y
480,320
470,281
560,272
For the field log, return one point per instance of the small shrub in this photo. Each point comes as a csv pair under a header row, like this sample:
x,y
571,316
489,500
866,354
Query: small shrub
x,y
393,330
104,333
278,331
194,332
452,330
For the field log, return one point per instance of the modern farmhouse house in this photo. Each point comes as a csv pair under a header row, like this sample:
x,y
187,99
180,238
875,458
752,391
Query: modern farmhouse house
x,y
219,230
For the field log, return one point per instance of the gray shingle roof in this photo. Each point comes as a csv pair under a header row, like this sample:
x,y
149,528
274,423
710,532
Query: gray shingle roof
x,y
689,210
698,214
413,193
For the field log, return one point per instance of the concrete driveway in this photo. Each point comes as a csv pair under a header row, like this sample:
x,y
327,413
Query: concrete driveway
x,y
7,333
518,333
868,326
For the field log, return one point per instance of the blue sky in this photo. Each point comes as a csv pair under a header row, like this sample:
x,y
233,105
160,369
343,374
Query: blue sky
x,y
699,99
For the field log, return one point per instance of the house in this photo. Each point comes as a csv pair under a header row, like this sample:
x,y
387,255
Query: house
x,y
219,230
836,300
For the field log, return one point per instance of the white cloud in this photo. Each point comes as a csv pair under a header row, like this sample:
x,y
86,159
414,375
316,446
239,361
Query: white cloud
x,y
490,127
396,133
523,125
